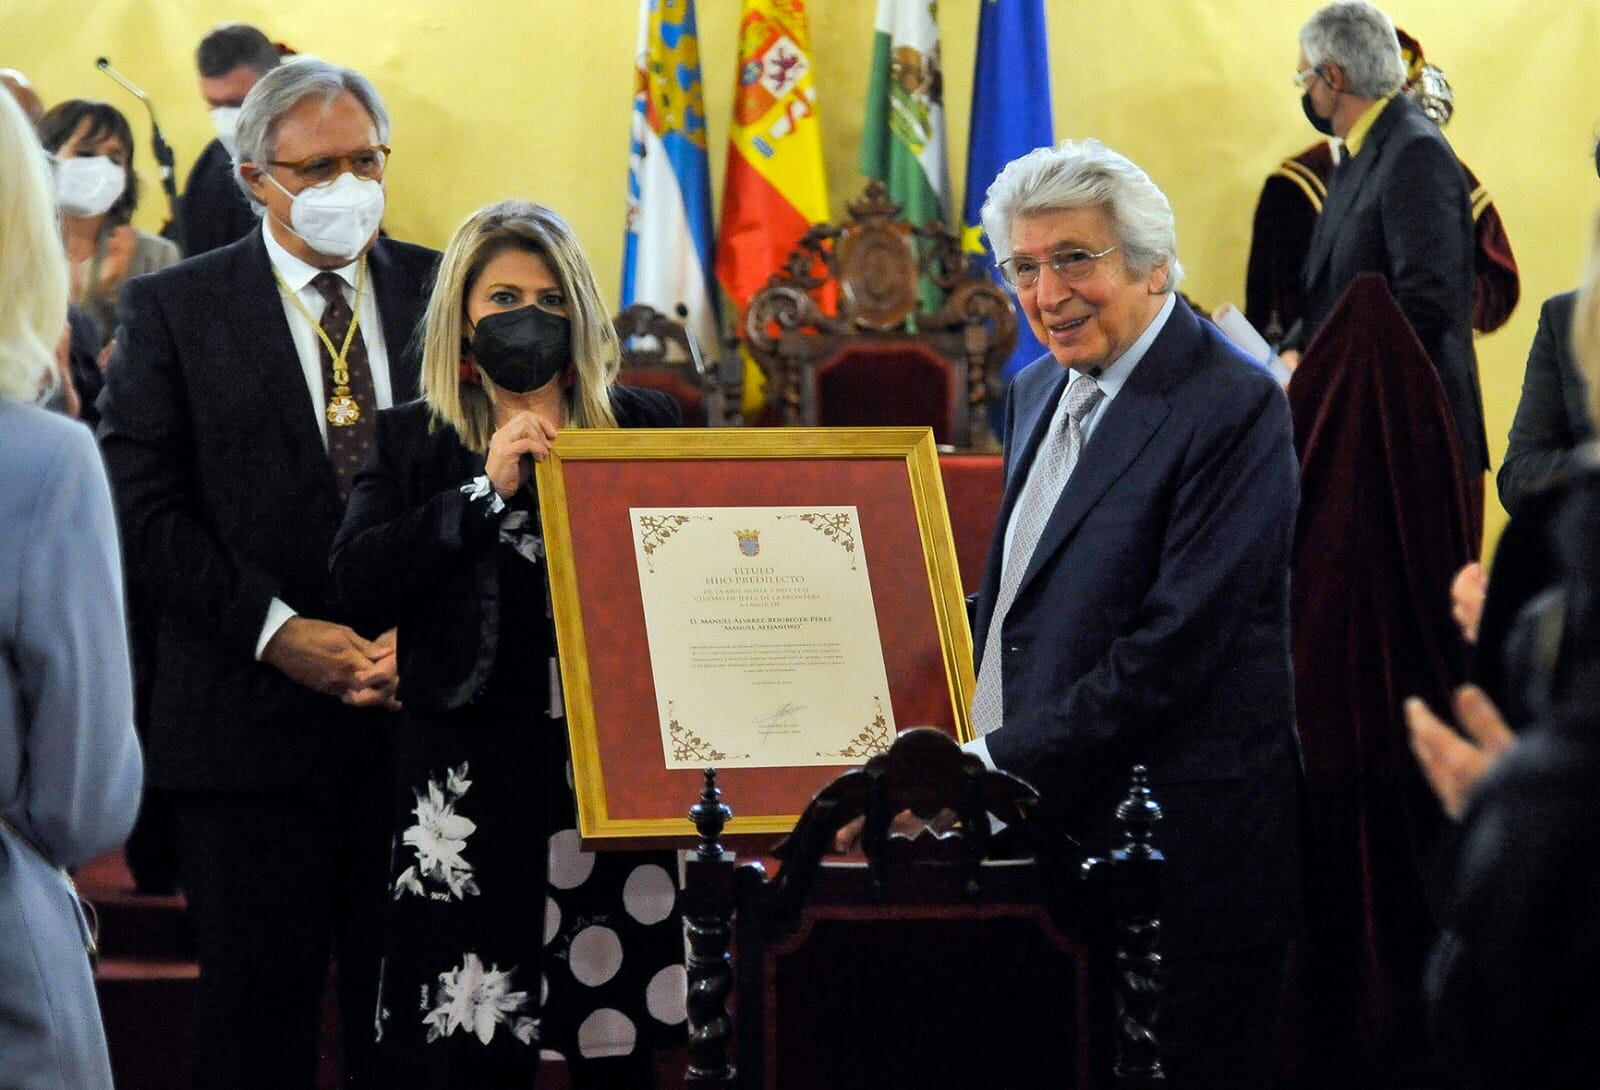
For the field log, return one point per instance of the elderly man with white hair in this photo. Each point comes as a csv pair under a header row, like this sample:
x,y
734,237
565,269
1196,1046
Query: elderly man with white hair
x,y
1399,206
234,422
1135,608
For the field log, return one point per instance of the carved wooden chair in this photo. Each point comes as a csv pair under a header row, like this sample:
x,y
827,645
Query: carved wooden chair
x,y
659,354
863,365
934,964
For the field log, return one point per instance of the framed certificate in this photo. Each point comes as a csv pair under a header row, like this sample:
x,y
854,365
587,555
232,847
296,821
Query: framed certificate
x,y
775,603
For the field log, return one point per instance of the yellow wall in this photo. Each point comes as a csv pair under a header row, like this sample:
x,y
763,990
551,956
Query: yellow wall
x,y
531,97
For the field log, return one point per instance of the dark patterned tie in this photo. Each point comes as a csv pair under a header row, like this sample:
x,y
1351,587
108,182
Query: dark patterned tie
x,y
347,443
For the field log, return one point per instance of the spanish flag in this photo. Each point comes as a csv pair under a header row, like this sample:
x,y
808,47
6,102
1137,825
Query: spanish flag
x,y
775,187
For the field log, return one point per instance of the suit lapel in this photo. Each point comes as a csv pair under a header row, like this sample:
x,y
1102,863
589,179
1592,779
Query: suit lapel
x,y
1129,422
1342,194
264,343
398,305
1033,426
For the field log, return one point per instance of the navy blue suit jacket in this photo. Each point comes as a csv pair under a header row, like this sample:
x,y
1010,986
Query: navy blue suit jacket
x,y
1152,626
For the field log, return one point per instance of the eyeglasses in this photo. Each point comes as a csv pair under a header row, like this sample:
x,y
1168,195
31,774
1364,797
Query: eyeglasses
x,y
1022,271
316,169
1300,79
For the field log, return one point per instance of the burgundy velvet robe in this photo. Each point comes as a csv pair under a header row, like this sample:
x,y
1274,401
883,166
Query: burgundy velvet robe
x,y
1383,527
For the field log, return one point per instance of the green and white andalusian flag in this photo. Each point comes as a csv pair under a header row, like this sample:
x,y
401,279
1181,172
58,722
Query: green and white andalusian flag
x,y
902,139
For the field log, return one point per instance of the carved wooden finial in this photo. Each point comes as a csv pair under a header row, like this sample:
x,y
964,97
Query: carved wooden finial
x,y
1137,814
710,815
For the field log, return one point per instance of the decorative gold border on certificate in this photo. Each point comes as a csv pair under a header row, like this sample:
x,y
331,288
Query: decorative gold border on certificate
x,y
871,740
836,528
656,530
689,746
914,445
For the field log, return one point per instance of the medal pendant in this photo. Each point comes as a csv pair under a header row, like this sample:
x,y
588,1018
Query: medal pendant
x,y
343,410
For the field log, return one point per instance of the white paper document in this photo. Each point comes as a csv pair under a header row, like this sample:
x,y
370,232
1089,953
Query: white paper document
x,y
764,641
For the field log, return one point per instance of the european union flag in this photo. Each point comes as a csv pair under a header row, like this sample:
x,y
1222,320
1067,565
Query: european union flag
x,y
1010,117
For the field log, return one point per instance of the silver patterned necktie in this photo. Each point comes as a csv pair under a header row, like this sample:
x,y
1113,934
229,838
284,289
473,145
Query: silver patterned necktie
x,y
1052,465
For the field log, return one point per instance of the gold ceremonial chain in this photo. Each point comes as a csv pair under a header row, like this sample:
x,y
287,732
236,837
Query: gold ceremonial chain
x,y
342,408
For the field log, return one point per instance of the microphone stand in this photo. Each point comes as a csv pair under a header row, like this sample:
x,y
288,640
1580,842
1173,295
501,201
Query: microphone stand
x,y
163,153
714,400
695,355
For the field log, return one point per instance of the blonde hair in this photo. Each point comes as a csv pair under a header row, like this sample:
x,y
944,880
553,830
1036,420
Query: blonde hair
x,y
522,225
33,264
1586,329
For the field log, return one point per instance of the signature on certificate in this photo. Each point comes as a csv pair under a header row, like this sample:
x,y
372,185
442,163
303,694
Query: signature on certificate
x,y
781,721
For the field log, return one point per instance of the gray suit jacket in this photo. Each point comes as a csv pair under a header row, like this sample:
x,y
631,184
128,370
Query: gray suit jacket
x,y
70,769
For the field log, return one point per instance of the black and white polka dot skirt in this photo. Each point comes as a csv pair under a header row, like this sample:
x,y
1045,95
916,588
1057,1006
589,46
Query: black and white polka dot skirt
x,y
505,943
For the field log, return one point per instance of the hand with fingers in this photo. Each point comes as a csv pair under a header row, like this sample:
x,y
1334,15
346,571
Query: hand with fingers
x,y
1454,765
523,439
906,823
334,659
1466,600
375,686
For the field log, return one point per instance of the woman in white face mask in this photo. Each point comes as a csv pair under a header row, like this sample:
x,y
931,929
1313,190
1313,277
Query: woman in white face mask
x,y
97,191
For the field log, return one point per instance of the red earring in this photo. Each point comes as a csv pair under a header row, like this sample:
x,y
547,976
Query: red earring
x,y
469,373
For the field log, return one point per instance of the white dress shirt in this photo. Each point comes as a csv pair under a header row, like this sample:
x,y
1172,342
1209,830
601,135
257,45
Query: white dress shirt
x,y
298,276
1110,381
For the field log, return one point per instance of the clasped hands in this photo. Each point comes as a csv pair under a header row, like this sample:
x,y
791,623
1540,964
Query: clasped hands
x,y
336,660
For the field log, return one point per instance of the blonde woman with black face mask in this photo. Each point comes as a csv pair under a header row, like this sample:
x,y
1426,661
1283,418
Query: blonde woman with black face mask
x,y
491,958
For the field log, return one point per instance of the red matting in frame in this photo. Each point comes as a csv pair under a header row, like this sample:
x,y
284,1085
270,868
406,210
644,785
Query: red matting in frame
x,y
636,785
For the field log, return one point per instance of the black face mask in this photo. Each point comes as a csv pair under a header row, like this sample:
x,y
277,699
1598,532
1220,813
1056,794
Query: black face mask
x,y
521,350
1324,125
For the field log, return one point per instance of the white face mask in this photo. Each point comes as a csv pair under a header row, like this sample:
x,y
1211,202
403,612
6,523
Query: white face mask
x,y
88,186
336,219
226,120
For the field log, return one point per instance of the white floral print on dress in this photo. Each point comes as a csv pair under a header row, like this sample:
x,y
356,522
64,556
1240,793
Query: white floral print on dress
x,y
439,838
476,1001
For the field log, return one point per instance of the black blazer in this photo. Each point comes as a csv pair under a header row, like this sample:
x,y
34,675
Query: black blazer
x,y
414,552
1152,626
1552,415
1402,208
215,210
227,499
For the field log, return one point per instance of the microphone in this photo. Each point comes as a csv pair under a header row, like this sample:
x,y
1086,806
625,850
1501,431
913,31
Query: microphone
x,y
696,357
163,152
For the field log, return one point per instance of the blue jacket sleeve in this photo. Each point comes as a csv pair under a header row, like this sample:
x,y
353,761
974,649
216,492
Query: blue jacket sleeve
x,y
84,769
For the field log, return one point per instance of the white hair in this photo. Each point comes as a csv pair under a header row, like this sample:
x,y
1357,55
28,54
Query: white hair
x,y
33,264
1361,40
1082,175
280,91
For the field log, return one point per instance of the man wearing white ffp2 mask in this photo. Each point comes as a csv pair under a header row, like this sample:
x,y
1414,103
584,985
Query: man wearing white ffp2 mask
x,y
251,382
230,59
337,219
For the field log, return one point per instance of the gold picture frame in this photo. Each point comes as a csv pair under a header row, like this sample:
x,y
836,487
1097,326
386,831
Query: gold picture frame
x,y
593,474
